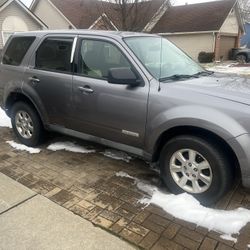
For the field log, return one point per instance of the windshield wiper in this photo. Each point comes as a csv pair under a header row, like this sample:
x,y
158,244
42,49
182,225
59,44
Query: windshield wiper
x,y
176,77
204,73
179,76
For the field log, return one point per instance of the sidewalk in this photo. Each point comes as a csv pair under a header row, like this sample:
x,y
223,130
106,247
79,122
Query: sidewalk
x,y
30,221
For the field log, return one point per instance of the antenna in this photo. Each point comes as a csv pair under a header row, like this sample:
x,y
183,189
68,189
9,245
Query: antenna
x,y
159,86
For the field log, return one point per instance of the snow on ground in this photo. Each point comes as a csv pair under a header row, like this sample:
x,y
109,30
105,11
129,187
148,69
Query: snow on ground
x,y
4,119
228,237
187,208
22,147
69,146
229,67
117,155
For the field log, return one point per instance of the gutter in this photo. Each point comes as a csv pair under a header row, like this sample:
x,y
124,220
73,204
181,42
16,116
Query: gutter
x,y
186,33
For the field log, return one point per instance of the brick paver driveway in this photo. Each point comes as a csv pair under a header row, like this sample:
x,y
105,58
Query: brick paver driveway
x,y
87,185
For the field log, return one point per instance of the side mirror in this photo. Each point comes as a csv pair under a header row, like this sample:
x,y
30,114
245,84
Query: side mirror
x,y
123,76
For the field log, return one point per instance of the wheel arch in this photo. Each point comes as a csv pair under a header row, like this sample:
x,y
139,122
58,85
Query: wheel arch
x,y
14,97
244,54
195,131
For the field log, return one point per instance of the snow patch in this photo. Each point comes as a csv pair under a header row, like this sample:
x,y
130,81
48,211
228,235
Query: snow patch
x,y
123,174
147,188
4,120
22,147
187,208
228,237
69,146
231,69
117,155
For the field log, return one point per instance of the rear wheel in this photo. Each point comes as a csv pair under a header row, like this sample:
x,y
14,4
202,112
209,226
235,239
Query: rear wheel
x,y
194,165
27,124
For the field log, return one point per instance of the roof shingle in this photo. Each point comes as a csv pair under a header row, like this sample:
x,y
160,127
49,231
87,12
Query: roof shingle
x,y
208,16
83,13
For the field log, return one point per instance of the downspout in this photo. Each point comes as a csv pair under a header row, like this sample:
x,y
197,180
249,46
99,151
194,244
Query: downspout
x,y
213,48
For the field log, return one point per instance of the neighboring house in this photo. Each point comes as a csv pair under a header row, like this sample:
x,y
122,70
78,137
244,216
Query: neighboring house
x,y
245,40
16,17
91,14
210,27
47,11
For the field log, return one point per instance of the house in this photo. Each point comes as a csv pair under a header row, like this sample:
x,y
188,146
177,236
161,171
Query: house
x,y
47,11
93,14
245,40
16,17
210,27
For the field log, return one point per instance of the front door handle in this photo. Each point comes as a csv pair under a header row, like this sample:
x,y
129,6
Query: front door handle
x,y
34,79
86,89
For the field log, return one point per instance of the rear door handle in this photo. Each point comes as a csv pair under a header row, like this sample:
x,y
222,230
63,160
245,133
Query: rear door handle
x,y
86,89
34,79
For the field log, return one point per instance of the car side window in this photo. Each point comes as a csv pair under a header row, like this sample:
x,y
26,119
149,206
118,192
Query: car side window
x,y
54,55
97,57
16,50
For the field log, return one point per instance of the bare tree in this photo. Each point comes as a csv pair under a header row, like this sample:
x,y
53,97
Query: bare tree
x,y
245,9
132,15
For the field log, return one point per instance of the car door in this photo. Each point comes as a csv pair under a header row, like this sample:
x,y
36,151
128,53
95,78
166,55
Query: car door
x,y
50,76
113,112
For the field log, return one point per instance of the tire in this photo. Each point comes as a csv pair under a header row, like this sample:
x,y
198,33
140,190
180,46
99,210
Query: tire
x,y
218,172
23,111
241,58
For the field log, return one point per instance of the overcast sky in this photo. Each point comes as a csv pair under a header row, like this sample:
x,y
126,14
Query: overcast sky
x,y
177,2
182,2
27,2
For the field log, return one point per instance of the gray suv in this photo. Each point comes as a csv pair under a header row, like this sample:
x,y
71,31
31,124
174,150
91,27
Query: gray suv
x,y
134,92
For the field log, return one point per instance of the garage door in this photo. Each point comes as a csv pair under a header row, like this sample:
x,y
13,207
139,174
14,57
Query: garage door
x,y
226,44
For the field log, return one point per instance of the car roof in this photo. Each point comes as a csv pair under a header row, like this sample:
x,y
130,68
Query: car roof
x,y
105,33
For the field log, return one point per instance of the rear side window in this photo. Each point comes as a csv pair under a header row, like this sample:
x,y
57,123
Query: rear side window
x,y
54,55
16,50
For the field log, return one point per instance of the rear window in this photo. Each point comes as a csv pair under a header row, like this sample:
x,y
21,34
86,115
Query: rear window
x,y
16,50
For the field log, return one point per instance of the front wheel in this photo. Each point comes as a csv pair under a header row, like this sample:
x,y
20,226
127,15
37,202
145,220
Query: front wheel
x,y
194,165
241,58
27,124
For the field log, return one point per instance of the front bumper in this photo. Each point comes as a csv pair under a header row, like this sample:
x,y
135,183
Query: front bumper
x,y
241,147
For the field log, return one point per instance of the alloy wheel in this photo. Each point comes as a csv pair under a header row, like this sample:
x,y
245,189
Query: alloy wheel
x,y
191,171
24,124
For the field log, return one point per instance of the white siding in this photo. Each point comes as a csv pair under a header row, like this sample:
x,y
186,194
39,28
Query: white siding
x,y
14,9
226,44
193,44
231,25
49,15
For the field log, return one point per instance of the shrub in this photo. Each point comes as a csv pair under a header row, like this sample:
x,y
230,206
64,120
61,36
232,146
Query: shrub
x,y
206,57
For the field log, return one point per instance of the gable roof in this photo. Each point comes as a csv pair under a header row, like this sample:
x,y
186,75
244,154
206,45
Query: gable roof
x,y
103,22
83,13
2,2
208,16
5,3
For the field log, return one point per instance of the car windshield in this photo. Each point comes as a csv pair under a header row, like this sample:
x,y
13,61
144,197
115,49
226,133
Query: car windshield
x,y
163,59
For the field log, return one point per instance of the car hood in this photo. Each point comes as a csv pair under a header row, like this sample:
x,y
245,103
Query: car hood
x,y
230,87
